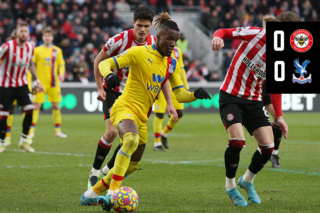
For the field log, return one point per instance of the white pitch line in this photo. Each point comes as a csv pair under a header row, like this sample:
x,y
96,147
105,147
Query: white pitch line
x,y
52,153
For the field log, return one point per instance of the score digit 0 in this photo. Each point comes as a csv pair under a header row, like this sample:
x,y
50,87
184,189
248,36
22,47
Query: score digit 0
x,y
278,48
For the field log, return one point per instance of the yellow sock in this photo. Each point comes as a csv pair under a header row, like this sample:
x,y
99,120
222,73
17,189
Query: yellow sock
x,y
170,125
100,187
9,124
56,113
157,127
121,164
35,116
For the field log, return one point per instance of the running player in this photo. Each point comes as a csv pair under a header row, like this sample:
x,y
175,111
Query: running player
x,y
160,108
151,66
16,56
108,92
241,104
50,69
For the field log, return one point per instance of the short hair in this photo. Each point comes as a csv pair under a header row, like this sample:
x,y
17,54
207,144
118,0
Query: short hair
x,y
288,17
164,20
143,13
268,18
23,24
47,30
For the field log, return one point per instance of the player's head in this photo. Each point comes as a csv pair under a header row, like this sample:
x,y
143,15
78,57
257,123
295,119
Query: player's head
x,y
47,36
22,31
167,35
288,17
268,18
142,22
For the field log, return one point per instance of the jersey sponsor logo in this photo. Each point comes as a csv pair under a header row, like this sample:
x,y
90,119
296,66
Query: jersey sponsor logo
x,y
19,65
301,70
157,78
301,40
47,59
258,69
230,117
154,88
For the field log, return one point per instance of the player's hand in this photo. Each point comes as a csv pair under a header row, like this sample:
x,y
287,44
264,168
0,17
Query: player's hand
x,y
283,126
217,44
171,109
61,78
200,93
39,88
101,95
112,80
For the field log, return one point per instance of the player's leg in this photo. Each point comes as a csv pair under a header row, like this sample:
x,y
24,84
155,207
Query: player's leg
x,y
170,125
24,98
9,124
157,127
128,131
103,149
54,96
7,97
231,116
277,135
105,170
257,122
56,114
105,142
160,105
38,100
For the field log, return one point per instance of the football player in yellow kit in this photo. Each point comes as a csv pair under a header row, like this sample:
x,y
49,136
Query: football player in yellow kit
x,y
50,68
160,108
150,67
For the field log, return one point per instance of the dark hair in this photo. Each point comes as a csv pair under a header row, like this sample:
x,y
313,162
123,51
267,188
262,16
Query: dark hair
x,y
143,13
288,17
164,20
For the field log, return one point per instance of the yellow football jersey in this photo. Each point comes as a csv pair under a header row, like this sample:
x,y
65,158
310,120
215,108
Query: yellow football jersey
x,y
148,73
48,61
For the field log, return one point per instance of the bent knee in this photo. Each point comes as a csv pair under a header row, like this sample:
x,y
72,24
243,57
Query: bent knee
x,y
130,142
180,113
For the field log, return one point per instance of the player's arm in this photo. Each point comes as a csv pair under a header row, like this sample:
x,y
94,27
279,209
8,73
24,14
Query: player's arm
x,y
4,50
182,95
97,75
36,82
167,95
243,33
277,105
127,58
61,66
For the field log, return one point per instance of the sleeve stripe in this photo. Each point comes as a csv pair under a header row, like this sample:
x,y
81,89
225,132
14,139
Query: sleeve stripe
x,y
116,62
177,87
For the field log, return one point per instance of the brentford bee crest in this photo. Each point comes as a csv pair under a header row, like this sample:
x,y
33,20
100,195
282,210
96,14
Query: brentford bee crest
x,y
301,40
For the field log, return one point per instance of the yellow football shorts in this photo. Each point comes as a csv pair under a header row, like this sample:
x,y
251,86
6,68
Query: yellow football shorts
x,y
160,104
120,113
54,94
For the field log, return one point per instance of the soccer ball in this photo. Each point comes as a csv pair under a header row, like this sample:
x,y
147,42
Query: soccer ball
x,y
125,199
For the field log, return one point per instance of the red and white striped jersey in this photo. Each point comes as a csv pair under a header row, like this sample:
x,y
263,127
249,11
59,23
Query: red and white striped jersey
x,y
118,44
15,63
247,72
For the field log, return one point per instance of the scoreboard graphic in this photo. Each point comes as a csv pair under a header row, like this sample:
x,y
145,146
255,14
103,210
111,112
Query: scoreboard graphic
x,y
292,57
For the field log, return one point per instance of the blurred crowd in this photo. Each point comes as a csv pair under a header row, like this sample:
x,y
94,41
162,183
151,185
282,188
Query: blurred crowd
x,y
82,27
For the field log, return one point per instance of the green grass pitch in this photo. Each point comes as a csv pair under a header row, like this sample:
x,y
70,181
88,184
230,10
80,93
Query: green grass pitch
x,y
188,177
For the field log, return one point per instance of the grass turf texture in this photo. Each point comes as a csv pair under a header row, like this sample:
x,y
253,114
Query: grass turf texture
x,y
188,177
